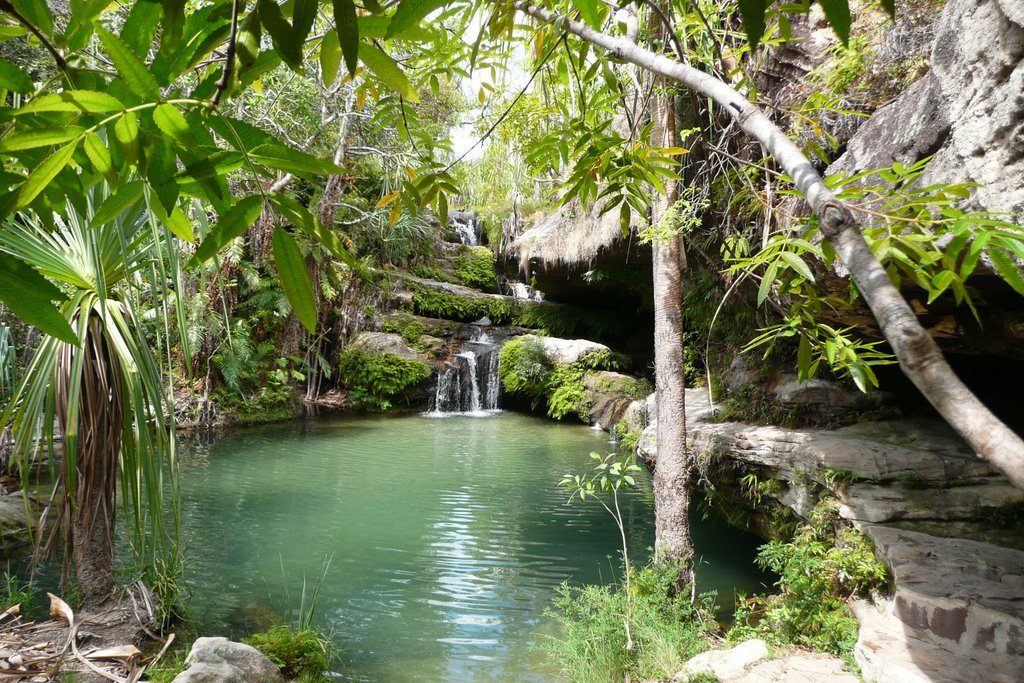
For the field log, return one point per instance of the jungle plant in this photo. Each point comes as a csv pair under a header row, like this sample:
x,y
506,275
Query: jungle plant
x,y
105,392
824,564
375,380
474,267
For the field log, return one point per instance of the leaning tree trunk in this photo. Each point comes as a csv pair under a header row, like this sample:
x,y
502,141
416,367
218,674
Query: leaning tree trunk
x,y
89,473
671,491
918,354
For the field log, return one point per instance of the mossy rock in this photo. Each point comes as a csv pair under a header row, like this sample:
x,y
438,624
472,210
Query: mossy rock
x,y
380,370
618,385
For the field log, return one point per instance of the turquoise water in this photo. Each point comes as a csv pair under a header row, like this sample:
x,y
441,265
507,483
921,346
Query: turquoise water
x,y
448,538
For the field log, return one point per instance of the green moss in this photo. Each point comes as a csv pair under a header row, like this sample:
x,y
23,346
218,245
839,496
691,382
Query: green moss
x,y
448,306
567,395
1006,516
824,564
474,267
375,380
628,437
299,654
430,272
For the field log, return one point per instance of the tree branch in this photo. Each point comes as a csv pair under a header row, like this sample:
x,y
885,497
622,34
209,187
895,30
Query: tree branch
x,y
62,63
918,354
229,59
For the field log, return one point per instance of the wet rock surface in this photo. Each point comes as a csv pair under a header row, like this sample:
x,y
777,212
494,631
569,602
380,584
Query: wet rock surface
x,y
219,660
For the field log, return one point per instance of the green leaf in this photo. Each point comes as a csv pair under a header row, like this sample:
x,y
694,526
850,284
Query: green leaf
x,y
14,79
348,32
29,295
129,67
301,217
84,101
116,204
233,223
8,32
172,124
1007,269
126,133
410,13
291,160
797,264
39,137
330,58
377,27
837,12
37,12
589,12
285,41
99,155
752,12
890,7
176,221
291,267
140,27
303,16
388,71
212,166
42,174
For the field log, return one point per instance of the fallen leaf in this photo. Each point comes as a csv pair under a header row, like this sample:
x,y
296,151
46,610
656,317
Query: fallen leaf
x,y
117,652
60,609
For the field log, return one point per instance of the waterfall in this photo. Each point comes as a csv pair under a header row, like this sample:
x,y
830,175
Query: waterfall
x,y
467,226
469,384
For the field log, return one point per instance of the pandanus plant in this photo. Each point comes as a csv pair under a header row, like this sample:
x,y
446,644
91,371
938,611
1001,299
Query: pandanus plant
x,y
105,392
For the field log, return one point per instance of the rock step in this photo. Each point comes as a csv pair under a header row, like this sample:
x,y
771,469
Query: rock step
x,y
957,613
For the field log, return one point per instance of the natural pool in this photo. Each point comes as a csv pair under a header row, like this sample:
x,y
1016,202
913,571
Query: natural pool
x,y
449,537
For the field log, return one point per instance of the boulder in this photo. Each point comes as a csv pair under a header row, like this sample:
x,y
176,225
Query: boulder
x,y
609,394
219,660
564,351
386,342
725,664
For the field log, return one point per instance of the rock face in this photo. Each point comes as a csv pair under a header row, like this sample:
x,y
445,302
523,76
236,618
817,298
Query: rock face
x,y
968,110
609,394
562,351
219,660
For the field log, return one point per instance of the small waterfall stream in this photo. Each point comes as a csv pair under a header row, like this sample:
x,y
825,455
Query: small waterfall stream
x,y
469,382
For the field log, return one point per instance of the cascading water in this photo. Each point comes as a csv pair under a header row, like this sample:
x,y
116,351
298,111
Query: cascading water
x,y
467,226
469,382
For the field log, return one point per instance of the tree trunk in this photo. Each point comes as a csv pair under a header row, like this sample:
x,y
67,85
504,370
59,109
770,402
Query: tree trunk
x,y
91,449
918,354
671,495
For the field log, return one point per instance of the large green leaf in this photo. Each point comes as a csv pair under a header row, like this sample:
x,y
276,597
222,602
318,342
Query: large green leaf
x,y
176,221
39,137
288,45
348,32
837,12
14,79
303,16
410,13
291,268
140,27
752,12
99,155
117,203
589,11
232,224
37,12
301,217
85,101
42,174
291,160
129,67
388,71
330,58
126,133
172,123
377,27
29,295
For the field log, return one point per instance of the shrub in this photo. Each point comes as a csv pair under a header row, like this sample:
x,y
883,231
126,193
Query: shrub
x,y
667,630
375,379
474,267
824,564
298,654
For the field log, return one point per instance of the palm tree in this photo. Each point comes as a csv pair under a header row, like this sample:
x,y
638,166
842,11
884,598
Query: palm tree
x,y
105,393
